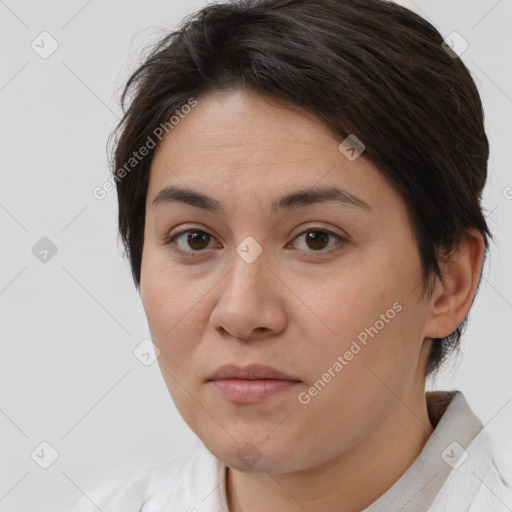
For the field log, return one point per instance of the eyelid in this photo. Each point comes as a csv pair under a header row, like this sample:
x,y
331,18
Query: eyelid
x,y
341,240
321,227
169,239
185,227
298,231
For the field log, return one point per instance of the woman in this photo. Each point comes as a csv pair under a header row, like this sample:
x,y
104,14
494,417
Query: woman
x,y
299,188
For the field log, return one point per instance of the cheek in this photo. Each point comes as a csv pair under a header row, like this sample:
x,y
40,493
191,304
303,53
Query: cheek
x,y
372,317
166,297
171,308
378,355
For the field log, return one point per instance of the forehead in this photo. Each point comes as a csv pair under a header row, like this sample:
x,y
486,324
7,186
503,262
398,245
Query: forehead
x,y
242,144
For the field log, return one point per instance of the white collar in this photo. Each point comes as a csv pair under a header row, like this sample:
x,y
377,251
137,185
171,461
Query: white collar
x,y
199,477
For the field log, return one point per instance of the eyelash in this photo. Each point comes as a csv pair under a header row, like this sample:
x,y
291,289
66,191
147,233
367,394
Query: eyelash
x,y
196,254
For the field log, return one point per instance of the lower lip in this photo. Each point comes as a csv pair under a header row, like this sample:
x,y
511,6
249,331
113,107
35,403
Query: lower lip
x,y
252,391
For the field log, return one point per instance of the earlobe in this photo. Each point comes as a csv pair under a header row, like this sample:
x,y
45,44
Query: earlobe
x,y
454,292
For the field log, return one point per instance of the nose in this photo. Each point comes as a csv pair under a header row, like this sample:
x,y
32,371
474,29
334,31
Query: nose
x,y
251,303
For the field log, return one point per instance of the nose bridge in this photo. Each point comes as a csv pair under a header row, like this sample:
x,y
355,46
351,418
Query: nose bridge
x,y
249,264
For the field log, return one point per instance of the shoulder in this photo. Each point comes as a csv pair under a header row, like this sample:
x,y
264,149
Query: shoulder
x,y
126,486
494,483
128,490
481,483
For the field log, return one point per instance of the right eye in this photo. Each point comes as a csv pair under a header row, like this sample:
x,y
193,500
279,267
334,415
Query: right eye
x,y
196,239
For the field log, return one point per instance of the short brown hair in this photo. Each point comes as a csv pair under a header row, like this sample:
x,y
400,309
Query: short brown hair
x,y
365,67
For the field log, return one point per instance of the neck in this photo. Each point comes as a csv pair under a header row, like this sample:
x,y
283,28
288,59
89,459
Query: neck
x,y
349,482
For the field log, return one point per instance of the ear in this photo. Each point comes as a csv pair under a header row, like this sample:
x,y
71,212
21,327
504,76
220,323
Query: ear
x,y
454,292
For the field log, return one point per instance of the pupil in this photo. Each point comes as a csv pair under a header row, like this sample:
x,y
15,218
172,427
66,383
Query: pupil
x,y
193,237
323,237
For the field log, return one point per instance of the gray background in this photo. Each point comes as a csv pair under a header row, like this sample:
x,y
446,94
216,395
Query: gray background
x,y
69,325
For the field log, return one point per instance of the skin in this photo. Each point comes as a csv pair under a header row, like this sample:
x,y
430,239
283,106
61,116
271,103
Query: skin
x,y
296,307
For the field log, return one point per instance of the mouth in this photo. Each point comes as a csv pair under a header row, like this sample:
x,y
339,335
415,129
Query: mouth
x,y
250,384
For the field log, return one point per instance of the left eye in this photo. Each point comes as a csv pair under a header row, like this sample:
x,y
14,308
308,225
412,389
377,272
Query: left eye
x,y
317,238
198,240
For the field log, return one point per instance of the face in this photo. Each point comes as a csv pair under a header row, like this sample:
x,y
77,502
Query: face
x,y
324,289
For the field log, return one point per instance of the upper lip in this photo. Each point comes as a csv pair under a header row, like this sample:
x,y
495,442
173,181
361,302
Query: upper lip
x,y
253,371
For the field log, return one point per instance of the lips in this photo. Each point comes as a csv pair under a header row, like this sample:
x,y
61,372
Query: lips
x,y
251,372
251,384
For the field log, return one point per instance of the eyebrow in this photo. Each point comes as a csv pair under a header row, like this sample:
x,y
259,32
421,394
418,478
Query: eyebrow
x,y
294,200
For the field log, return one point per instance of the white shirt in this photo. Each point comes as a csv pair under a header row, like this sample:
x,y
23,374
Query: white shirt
x,y
455,472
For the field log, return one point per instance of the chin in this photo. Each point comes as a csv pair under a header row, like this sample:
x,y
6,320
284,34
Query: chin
x,y
248,455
